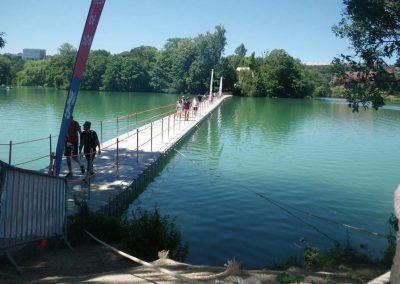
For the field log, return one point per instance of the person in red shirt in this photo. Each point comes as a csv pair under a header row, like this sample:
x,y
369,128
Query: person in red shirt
x,y
71,146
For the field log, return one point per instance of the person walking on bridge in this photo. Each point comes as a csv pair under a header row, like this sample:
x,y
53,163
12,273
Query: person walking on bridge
x,y
186,107
89,142
71,147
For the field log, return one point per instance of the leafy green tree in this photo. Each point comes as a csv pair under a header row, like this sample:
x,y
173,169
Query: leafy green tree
x,y
145,54
5,70
17,64
373,28
279,73
241,50
125,74
225,70
2,40
184,65
172,64
247,84
209,49
61,66
34,73
95,69
338,91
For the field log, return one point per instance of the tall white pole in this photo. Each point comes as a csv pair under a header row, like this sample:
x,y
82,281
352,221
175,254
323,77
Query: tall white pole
x,y
220,87
211,82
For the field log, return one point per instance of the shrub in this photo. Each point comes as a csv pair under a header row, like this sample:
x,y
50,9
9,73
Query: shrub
x,y
286,278
144,235
312,258
388,254
106,228
149,232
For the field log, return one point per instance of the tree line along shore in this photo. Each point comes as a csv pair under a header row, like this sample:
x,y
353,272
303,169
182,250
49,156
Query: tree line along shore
x,y
183,65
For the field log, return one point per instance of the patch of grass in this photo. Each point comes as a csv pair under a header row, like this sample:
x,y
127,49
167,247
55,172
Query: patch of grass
x,y
287,278
290,262
336,256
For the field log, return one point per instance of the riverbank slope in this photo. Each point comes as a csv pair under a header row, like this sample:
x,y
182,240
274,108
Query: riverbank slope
x,y
98,264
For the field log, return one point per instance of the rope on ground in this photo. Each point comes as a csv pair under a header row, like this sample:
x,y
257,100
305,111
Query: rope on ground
x,y
381,279
142,262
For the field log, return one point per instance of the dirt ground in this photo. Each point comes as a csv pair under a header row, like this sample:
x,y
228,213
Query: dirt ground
x,y
97,264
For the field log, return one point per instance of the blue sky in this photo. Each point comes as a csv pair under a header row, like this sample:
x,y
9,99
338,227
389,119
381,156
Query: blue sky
x,y
301,27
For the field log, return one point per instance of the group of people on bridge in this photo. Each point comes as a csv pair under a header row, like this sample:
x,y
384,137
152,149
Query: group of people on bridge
x,y
78,140
185,105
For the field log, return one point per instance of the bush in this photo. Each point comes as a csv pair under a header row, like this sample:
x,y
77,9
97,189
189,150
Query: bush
x,y
336,256
143,236
312,258
388,254
149,232
106,228
286,278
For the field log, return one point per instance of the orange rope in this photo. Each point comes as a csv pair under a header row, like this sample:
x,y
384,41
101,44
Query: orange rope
x,y
33,160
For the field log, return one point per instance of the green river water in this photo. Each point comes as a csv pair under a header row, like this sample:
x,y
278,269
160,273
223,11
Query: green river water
x,y
310,155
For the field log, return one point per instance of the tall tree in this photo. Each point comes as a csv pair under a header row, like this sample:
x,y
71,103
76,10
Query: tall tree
x,y
373,27
184,64
278,75
95,69
241,50
5,70
2,40
61,66
125,74
33,73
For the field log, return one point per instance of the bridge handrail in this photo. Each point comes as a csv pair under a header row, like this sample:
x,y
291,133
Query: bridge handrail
x,y
11,144
147,122
112,145
96,123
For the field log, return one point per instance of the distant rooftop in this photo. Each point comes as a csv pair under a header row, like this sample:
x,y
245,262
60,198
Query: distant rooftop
x,y
242,69
317,63
32,53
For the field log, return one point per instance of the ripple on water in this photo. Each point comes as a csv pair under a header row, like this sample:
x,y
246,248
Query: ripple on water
x,y
315,156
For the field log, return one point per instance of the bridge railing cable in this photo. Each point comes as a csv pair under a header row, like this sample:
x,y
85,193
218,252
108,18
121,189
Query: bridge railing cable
x,y
112,127
158,125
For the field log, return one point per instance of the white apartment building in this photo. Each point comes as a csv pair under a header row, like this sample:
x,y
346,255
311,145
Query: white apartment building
x,y
30,53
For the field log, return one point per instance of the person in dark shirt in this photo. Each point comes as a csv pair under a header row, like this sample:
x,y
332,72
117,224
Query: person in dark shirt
x,y
71,147
186,107
89,142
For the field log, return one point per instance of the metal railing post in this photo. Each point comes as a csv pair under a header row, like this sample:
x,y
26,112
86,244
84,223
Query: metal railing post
x,y
168,124
162,130
174,124
101,133
151,136
50,148
90,170
117,157
117,126
9,153
137,145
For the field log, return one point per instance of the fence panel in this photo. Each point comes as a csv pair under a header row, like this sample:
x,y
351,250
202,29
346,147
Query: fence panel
x,y
32,206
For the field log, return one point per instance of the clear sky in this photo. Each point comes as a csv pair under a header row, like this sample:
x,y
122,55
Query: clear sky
x,y
301,27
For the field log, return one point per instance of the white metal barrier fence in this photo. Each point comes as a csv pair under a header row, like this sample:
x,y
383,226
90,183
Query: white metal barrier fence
x,y
32,206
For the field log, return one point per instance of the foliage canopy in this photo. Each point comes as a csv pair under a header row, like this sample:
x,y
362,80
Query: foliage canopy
x,y
373,27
